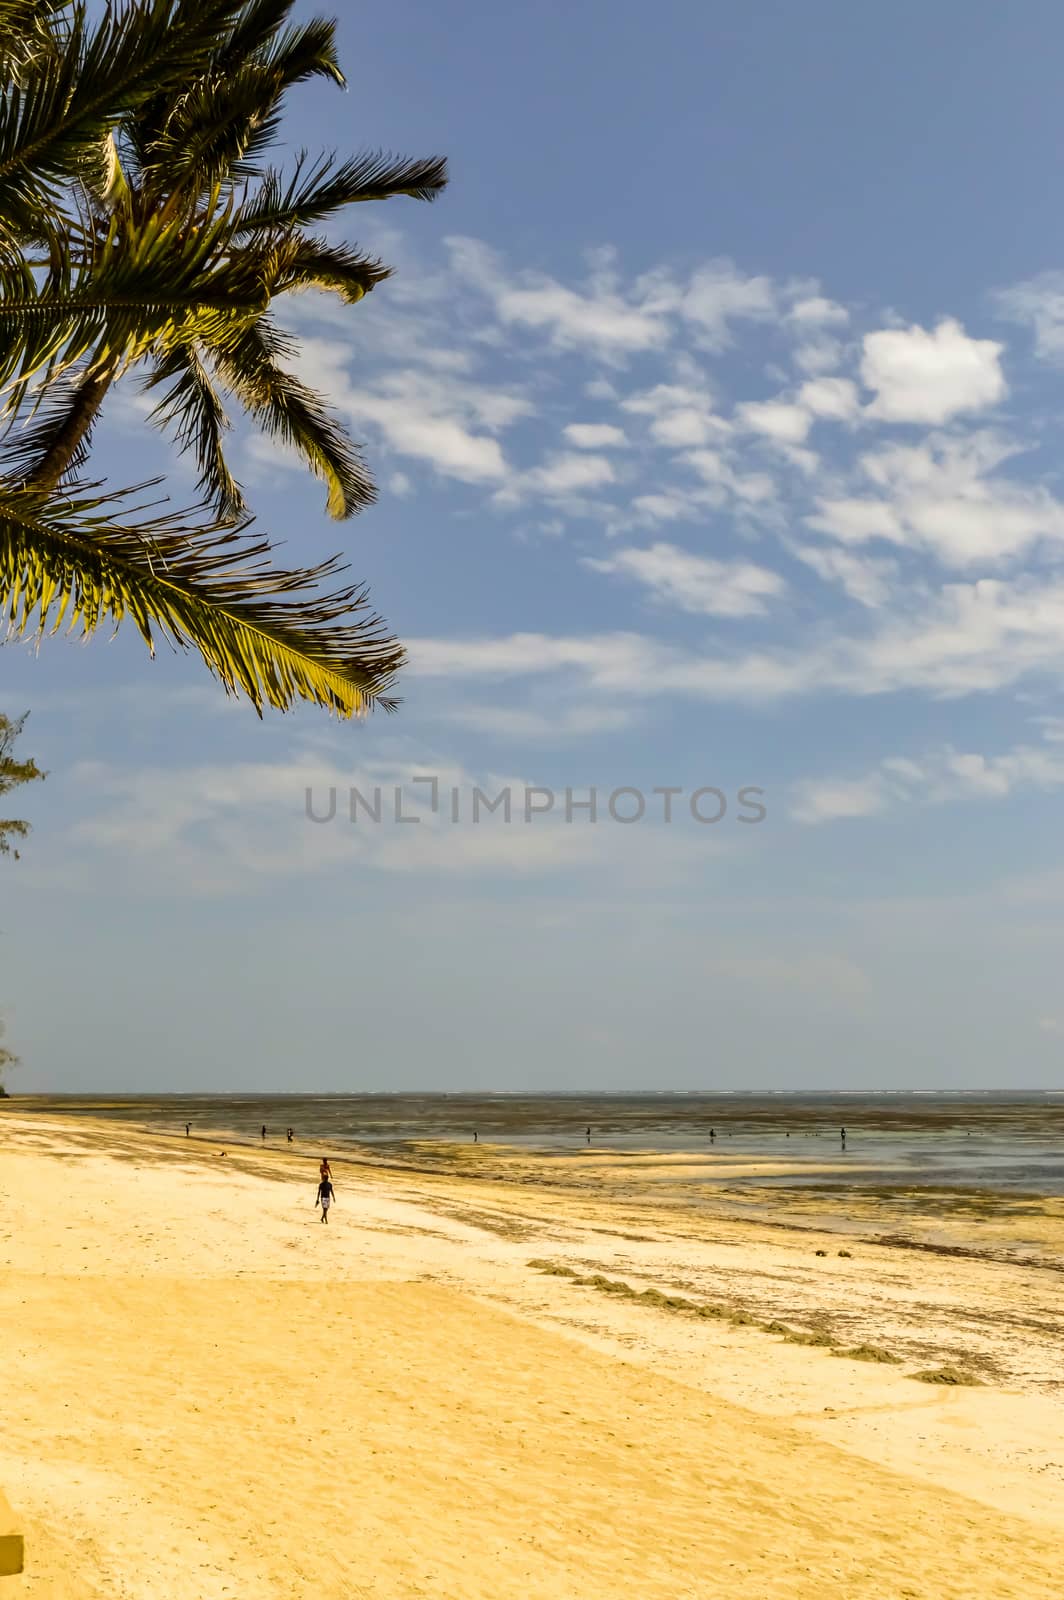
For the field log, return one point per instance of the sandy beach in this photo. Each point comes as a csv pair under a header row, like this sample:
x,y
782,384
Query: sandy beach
x,y
472,1384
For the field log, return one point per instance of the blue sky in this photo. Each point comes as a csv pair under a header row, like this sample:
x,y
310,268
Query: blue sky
x,y
717,410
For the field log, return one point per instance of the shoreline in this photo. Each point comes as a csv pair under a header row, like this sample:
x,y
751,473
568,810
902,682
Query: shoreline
x,y
136,1209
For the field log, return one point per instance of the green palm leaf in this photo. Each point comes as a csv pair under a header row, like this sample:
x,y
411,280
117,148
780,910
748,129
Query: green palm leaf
x,y
316,191
264,632
248,362
51,127
165,282
302,263
193,406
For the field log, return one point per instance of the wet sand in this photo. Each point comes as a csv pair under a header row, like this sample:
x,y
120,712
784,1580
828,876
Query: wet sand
x,y
206,1392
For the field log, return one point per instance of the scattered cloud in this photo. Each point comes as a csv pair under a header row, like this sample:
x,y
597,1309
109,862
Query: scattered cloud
x,y
829,800
448,423
612,324
969,638
834,399
942,496
595,436
560,477
719,295
818,355
887,528
1038,304
865,579
944,776
817,312
779,420
696,583
923,377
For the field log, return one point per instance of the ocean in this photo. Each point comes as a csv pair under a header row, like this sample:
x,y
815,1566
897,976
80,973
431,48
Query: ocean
x,y
993,1141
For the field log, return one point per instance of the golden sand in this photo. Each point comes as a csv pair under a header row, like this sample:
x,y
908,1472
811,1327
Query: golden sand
x,y
207,1393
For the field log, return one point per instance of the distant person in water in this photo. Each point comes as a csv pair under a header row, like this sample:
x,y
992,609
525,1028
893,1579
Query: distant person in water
x,y
264,1130
187,1127
476,1136
324,1196
712,1134
589,1136
289,1136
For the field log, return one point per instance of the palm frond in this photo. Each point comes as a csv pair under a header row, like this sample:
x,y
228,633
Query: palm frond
x,y
51,128
27,37
210,130
192,405
302,263
303,52
263,632
254,30
168,282
215,130
316,191
60,427
248,362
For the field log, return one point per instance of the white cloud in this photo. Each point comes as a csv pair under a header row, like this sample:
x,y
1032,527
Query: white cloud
x,y
818,355
595,436
686,428
236,827
816,800
944,776
817,312
667,507
969,638
868,581
605,322
924,377
779,420
719,294
681,415
607,659
560,477
1038,304
835,399
419,415
601,318
753,488
696,583
940,498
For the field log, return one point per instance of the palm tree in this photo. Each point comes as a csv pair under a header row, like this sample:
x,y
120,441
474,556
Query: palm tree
x,y
140,227
13,773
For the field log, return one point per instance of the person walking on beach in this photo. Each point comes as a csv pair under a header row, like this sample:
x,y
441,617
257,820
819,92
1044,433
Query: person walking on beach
x,y
187,1126
289,1136
324,1171
264,1132
324,1196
